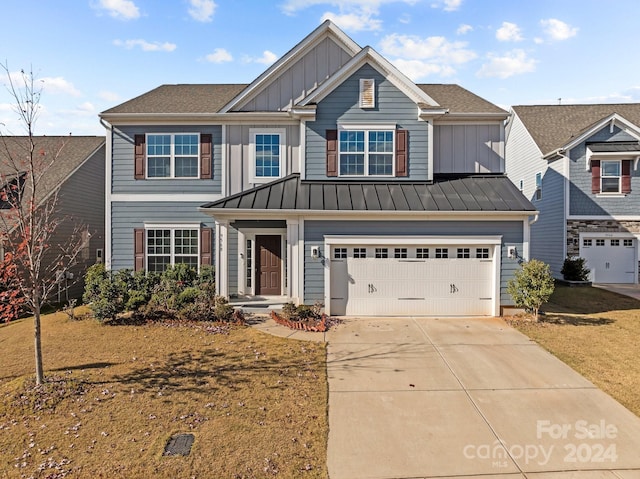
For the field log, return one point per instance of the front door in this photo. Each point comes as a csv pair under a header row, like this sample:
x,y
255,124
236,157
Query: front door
x,y
269,279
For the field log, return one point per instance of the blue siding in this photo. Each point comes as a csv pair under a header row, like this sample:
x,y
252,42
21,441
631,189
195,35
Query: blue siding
x,y
123,162
125,216
341,105
314,231
582,201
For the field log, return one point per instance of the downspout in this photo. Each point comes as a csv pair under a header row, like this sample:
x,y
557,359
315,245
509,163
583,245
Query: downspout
x,y
107,196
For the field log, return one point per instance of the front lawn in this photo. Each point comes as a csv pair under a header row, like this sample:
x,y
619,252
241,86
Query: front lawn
x,y
256,404
597,333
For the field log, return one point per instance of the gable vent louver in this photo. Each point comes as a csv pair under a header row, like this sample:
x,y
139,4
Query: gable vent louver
x,y
367,93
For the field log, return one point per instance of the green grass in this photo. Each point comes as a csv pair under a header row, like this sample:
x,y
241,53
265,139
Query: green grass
x,y
597,333
115,394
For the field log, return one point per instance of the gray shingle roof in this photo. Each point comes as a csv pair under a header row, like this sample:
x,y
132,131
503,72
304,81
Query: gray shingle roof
x,y
458,99
476,193
553,126
210,98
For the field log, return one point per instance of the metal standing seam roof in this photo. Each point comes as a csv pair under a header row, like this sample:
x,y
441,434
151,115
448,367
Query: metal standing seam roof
x,y
614,146
474,193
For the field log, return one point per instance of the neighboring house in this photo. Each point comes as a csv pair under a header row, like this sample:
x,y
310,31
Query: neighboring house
x,y
77,175
332,177
579,166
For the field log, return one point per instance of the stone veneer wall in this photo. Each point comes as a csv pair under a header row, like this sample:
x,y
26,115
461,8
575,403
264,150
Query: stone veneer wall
x,y
575,227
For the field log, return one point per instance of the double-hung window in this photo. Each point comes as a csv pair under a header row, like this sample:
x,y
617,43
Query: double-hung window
x,y
173,155
538,193
610,176
267,154
168,246
366,151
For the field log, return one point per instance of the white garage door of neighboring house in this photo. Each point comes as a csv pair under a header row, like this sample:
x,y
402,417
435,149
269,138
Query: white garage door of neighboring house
x,y
610,259
413,280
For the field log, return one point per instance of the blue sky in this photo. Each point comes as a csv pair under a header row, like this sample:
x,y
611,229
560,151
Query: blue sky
x,y
94,54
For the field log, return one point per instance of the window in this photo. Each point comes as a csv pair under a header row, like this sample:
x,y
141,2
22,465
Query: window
x,y
169,246
538,194
610,176
628,242
359,252
587,242
599,242
464,253
366,152
382,252
521,186
482,253
615,242
422,253
400,253
340,253
442,252
173,155
267,154
249,262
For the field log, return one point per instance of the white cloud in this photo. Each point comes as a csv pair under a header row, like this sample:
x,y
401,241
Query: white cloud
x,y
85,109
120,9
509,32
355,21
290,7
145,45
447,5
417,48
219,55
58,85
557,29
418,69
202,10
109,96
512,63
464,29
267,58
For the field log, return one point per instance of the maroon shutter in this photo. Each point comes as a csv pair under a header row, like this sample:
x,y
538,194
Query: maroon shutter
x,y
401,152
138,249
140,148
332,152
205,156
626,176
595,176
206,235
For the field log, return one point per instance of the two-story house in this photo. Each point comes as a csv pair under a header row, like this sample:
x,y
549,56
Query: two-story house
x,y
332,177
578,164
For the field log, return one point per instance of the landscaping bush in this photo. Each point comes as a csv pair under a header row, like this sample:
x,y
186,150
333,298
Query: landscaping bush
x,y
574,269
532,286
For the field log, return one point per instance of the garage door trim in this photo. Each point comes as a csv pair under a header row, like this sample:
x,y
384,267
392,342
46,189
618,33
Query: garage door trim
x,y
495,241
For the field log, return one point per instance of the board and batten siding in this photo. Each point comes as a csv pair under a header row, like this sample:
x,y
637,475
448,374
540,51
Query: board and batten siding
x,y
342,106
123,180
582,201
468,149
301,78
81,200
126,216
523,162
238,153
314,232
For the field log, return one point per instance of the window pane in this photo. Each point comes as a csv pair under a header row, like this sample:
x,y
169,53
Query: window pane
x,y
351,141
159,242
380,142
380,164
186,242
610,185
610,168
159,167
158,145
267,155
157,264
186,145
186,167
352,164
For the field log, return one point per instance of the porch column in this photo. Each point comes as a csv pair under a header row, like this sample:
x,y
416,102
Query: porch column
x,y
222,261
293,266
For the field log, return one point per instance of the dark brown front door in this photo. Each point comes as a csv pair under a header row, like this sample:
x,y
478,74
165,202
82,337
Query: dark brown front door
x,y
269,266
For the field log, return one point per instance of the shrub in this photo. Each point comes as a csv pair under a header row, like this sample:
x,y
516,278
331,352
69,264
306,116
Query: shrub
x,y
302,311
289,310
574,269
532,286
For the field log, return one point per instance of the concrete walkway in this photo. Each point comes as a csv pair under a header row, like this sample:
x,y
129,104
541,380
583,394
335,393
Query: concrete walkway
x,y
631,290
425,397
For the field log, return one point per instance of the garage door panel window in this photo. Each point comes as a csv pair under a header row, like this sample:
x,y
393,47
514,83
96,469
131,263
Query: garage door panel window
x,y
382,252
464,253
400,253
442,253
628,243
422,253
359,252
599,242
615,242
482,253
339,253
586,242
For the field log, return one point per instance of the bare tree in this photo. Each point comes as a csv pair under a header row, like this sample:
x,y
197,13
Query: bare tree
x,y
29,216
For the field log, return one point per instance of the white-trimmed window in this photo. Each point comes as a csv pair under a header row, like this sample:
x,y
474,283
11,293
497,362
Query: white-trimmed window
x,y
422,253
267,154
366,150
615,242
359,252
340,253
464,253
173,155
400,253
610,176
627,242
521,186
599,242
538,194
382,252
587,242
482,253
442,253
168,246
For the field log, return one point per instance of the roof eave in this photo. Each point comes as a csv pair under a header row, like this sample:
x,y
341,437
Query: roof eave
x,y
465,116
249,212
120,118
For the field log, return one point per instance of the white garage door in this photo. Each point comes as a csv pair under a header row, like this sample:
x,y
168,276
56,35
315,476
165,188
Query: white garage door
x,y
611,260
440,280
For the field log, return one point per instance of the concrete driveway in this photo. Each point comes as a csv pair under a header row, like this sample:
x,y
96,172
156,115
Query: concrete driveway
x,y
425,397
